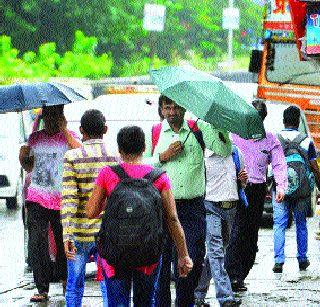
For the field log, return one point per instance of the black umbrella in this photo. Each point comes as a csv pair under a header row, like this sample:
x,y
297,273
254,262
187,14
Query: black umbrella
x,y
28,96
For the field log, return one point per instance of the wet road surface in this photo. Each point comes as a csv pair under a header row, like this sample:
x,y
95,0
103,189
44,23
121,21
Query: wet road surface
x,y
291,288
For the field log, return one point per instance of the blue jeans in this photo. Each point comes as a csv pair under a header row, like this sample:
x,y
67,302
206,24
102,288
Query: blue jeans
x,y
280,221
119,288
76,275
219,225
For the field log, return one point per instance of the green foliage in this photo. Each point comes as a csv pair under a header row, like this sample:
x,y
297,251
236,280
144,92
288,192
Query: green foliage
x,y
140,66
80,62
115,42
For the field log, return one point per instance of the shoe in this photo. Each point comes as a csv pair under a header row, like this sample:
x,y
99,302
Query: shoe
x,y
303,265
235,302
200,302
39,298
238,286
277,268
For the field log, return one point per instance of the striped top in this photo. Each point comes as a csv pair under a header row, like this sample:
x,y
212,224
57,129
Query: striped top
x,y
80,169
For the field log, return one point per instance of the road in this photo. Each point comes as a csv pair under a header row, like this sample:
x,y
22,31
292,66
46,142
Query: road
x,y
291,288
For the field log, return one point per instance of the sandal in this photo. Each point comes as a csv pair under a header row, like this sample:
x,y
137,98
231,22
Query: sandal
x,y
39,297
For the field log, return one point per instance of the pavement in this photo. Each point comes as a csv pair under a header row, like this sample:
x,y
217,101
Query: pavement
x,y
291,288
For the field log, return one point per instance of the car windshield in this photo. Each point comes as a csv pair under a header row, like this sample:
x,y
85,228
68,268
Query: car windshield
x,y
289,69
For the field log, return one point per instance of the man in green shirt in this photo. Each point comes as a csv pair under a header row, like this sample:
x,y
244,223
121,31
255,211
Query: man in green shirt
x,y
180,154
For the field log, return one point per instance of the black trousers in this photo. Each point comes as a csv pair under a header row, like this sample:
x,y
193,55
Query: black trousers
x,y
243,246
192,216
38,224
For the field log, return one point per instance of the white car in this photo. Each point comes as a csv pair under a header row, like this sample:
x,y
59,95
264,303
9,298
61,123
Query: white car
x,y
120,110
12,136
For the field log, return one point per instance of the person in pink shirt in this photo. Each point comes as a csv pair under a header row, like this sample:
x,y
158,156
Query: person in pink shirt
x,y
43,157
131,143
258,154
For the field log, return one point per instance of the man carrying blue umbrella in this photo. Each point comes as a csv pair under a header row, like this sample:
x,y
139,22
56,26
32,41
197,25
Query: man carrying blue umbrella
x,y
177,147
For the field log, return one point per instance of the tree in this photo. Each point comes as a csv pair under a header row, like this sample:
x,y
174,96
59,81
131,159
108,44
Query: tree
x,y
192,30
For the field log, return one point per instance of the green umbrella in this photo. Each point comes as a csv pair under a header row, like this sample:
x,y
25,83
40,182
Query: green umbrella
x,y
208,98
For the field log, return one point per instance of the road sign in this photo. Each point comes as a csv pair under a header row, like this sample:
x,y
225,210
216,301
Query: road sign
x,y
154,17
231,18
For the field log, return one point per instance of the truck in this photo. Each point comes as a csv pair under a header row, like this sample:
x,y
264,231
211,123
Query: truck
x,y
288,62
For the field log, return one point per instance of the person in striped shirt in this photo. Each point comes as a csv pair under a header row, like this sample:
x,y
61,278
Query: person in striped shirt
x,y
80,169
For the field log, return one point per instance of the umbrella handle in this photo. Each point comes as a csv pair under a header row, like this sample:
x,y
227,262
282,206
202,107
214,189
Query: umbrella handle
x,y
190,130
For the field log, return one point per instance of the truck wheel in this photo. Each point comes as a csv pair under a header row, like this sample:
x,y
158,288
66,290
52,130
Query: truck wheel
x,y
11,202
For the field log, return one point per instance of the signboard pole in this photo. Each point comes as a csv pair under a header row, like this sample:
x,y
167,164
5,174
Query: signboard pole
x,y
230,22
230,40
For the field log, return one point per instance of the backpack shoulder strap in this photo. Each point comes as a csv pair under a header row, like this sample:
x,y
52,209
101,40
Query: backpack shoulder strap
x,y
155,134
197,133
285,143
299,138
119,171
154,174
280,138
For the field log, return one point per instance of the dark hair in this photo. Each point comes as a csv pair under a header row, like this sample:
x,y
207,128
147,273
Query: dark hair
x,y
93,122
261,107
56,109
131,140
160,113
164,99
291,116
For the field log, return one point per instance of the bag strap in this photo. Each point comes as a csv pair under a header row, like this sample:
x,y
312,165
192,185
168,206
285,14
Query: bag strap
x,y
285,143
280,138
299,138
118,169
155,134
197,133
156,130
154,174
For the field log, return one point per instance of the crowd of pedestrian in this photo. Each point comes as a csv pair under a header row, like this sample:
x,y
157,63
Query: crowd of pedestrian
x,y
186,194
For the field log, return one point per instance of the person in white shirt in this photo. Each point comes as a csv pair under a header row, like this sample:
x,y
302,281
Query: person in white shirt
x,y
223,183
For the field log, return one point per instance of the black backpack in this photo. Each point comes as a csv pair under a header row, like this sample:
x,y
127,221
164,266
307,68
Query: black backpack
x,y
131,233
298,168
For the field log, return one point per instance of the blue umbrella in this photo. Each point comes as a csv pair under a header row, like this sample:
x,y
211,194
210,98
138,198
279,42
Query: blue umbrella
x,y
28,96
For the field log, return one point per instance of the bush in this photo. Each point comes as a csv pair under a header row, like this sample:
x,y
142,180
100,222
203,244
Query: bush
x,y
139,66
46,63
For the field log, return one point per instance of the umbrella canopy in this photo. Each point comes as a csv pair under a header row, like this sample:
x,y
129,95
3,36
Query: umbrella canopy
x,y
208,98
27,96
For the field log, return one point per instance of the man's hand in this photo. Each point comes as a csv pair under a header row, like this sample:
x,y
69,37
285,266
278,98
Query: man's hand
x,y
173,150
185,265
70,250
279,196
243,176
24,152
24,157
